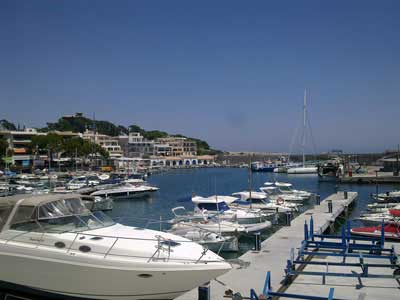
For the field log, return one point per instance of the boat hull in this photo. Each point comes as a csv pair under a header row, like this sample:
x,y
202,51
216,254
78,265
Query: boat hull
x,y
74,279
127,195
303,170
392,232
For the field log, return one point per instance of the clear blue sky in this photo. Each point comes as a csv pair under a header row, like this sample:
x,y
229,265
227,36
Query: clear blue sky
x,y
230,72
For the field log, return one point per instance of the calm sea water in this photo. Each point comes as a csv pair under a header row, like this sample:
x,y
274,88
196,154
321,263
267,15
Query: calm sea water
x,y
177,186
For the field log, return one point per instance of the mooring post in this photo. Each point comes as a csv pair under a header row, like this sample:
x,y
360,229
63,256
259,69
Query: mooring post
x,y
288,218
348,232
257,241
330,207
345,194
312,228
305,231
204,291
318,199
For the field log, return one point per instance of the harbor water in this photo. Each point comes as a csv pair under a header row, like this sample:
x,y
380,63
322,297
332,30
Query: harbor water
x,y
177,187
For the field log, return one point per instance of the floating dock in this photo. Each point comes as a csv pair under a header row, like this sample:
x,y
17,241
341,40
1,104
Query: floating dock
x,y
249,271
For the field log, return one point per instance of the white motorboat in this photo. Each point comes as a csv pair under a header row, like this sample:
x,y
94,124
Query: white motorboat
x,y
376,217
213,241
125,191
287,188
382,207
135,181
275,193
52,245
260,200
216,205
210,225
202,218
79,182
303,170
389,197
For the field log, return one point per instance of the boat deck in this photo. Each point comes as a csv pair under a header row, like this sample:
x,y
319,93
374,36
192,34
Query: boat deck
x,y
251,268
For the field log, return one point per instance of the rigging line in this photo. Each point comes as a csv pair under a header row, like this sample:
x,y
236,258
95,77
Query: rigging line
x,y
312,137
293,141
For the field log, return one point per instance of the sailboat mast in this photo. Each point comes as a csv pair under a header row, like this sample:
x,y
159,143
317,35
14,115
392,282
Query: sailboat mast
x,y
304,125
216,201
250,181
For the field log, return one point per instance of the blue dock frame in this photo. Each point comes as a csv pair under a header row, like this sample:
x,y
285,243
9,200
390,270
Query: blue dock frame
x,y
267,293
345,246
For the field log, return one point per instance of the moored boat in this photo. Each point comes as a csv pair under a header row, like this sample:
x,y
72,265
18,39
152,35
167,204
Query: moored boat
x,y
63,245
125,191
391,231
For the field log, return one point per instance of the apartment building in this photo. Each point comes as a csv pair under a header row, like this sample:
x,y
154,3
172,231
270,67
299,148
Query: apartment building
x,y
180,146
109,143
18,144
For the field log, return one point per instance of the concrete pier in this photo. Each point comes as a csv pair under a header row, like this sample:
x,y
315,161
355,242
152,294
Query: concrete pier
x,y
250,269
382,178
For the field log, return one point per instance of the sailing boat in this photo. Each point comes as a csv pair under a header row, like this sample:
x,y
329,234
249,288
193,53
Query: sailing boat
x,y
304,169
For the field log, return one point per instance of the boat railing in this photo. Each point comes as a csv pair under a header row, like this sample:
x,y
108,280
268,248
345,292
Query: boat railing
x,y
162,245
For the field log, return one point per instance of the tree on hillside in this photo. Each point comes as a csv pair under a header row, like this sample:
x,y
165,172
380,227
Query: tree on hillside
x,y
83,148
56,145
3,147
80,124
136,128
7,125
154,134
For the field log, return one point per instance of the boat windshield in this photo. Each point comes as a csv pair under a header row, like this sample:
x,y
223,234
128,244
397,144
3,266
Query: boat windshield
x,y
4,214
285,188
272,191
67,215
221,206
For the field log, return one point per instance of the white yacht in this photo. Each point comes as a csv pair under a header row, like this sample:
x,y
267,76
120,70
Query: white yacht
x,y
52,245
303,170
274,193
287,188
79,182
260,200
217,205
211,225
126,191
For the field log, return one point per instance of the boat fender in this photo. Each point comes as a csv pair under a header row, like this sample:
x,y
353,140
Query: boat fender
x,y
280,201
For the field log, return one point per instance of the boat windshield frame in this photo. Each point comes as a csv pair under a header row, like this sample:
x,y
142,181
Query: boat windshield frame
x,y
286,188
74,221
213,206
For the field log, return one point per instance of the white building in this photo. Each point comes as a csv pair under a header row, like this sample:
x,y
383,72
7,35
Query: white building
x,y
109,143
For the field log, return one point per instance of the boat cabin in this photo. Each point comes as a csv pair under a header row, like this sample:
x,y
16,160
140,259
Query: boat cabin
x,y
284,187
271,190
